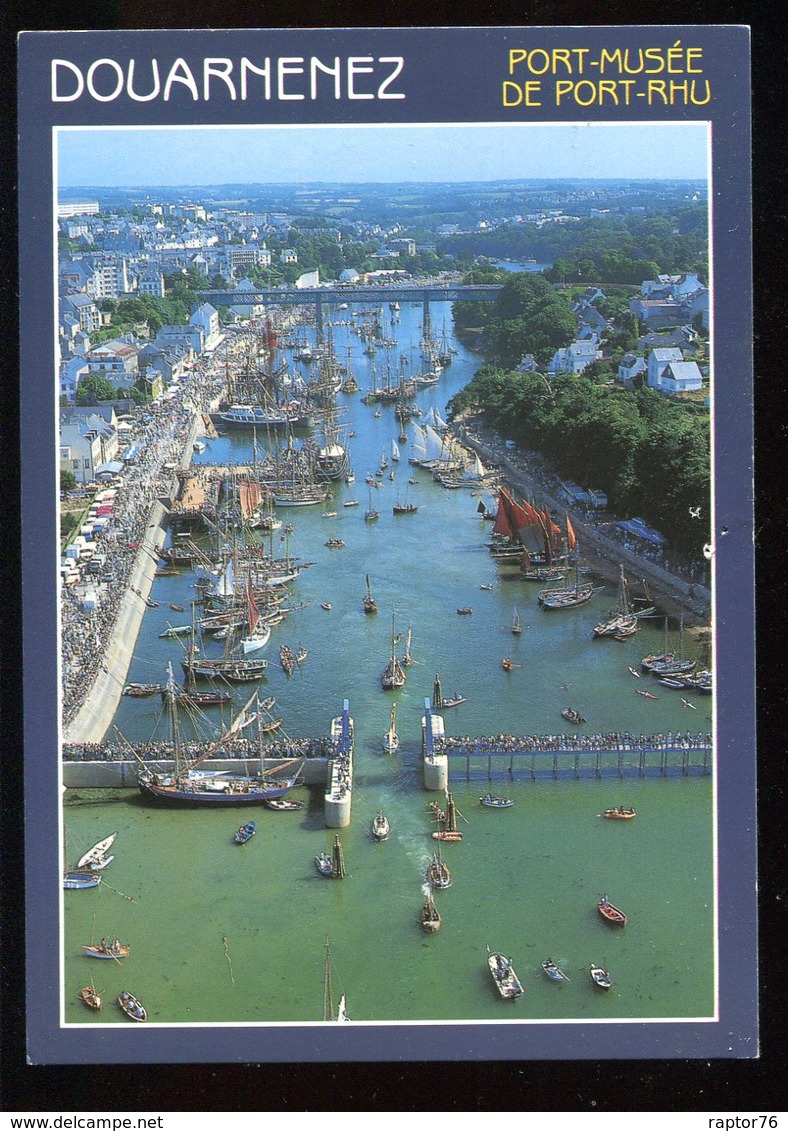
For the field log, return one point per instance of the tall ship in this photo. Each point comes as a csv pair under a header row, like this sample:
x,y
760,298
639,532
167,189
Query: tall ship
x,y
190,782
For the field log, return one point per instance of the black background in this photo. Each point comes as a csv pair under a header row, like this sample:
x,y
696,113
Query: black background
x,y
743,1086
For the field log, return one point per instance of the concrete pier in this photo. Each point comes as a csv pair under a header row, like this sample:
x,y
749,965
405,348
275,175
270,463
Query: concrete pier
x,y
339,776
436,764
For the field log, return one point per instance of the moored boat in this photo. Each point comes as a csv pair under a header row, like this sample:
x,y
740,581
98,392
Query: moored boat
x,y
503,974
79,878
141,690
284,804
324,864
610,913
97,853
190,784
132,1006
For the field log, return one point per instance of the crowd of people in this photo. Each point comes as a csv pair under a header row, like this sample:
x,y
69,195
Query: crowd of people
x,y
487,745
90,608
240,748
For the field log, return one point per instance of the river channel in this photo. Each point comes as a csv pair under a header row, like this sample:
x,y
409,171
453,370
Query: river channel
x,y
526,880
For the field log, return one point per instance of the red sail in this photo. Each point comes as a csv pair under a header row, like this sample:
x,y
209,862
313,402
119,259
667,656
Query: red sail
x,y
503,520
571,537
254,612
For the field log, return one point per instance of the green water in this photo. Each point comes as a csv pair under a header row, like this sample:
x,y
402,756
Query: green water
x,y
218,930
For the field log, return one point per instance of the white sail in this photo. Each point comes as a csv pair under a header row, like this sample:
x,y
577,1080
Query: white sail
x,y
394,450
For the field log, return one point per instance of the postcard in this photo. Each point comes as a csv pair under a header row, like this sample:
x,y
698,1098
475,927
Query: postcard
x,y
387,543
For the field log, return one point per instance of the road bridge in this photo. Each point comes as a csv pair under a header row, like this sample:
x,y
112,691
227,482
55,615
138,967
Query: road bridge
x,y
336,294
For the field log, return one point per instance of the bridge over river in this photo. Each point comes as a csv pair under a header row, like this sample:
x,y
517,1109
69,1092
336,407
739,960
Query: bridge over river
x,y
556,756
320,297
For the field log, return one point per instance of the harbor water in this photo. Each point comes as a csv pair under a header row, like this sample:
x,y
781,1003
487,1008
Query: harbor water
x,y
227,933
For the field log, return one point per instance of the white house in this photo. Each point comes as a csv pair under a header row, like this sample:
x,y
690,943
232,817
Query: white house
x,y
575,357
630,366
206,317
669,373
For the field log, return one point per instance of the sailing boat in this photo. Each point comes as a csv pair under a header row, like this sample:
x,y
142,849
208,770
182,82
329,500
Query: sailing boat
x,y
393,674
391,738
370,514
517,627
395,455
370,605
259,633
328,1003
438,873
621,622
430,916
407,656
187,784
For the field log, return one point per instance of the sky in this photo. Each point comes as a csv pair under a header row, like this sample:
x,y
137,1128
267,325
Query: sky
x,y
119,157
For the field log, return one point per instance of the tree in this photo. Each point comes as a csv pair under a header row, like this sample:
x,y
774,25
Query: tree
x,y
68,481
93,389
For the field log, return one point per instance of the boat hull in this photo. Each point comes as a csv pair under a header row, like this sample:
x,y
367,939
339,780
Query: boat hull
x,y
246,791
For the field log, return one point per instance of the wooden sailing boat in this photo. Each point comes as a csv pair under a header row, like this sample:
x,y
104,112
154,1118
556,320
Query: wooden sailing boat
x,y
430,916
438,873
370,605
394,674
391,738
189,784
517,627
328,1002
622,622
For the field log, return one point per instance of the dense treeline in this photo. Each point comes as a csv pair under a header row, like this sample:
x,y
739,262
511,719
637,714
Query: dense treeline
x,y
650,456
615,249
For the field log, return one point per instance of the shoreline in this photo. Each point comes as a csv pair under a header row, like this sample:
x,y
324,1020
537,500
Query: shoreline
x,y
672,594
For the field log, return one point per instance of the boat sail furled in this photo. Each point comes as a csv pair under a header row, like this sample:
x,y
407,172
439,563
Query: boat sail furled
x,y
394,674
188,784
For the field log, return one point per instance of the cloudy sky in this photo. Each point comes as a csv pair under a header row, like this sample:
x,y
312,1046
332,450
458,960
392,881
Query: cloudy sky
x,y
206,156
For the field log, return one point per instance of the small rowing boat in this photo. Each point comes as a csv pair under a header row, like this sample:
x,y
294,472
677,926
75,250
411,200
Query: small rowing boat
x,y
601,977
114,949
284,804
611,914
245,833
554,971
646,694
506,981
492,801
132,1006
619,813
91,998
573,716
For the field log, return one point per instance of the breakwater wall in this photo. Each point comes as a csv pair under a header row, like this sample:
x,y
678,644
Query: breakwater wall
x,y
101,699
102,774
